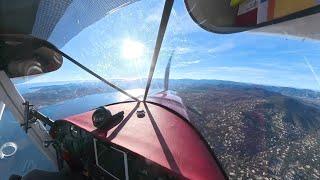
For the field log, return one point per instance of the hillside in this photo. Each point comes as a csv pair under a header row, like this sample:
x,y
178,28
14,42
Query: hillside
x,y
256,133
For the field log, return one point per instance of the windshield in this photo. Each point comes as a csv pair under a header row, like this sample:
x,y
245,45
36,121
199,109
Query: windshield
x,y
253,97
118,47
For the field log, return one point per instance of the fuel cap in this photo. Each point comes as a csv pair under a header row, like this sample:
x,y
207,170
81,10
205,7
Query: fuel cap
x,y
141,113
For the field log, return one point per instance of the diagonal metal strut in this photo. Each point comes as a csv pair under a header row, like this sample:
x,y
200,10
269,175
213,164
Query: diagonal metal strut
x,y
96,75
162,29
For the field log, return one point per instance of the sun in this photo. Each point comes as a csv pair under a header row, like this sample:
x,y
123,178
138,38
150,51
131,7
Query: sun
x,y
132,49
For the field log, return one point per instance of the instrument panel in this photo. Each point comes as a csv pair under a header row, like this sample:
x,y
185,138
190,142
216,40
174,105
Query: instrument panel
x,y
102,160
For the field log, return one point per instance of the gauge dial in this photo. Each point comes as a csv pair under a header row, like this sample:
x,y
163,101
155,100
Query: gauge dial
x,y
100,116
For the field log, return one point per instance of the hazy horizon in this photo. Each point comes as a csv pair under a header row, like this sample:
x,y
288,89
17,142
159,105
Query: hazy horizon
x,y
19,83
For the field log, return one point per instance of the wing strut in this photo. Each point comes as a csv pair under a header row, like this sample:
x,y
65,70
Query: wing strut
x,y
162,29
167,74
96,75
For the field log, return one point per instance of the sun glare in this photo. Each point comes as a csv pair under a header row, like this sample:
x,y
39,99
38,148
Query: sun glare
x,y
132,49
138,93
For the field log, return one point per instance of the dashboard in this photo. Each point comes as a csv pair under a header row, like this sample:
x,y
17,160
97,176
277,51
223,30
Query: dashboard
x,y
103,160
138,147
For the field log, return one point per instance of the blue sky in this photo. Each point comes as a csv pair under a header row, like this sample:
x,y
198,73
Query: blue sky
x,y
242,57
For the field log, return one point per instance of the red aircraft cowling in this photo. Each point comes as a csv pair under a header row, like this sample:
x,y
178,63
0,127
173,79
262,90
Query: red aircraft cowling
x,y
161,136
